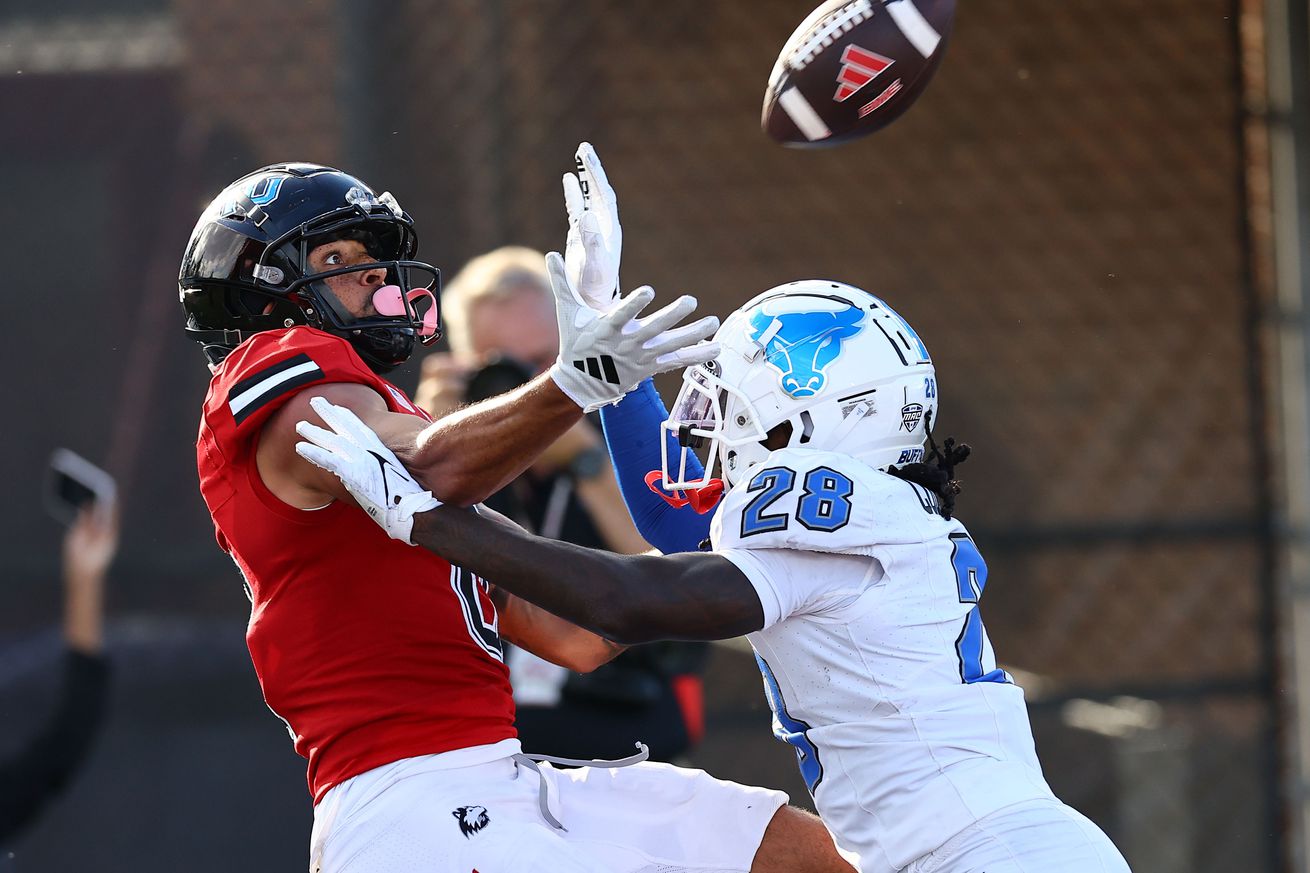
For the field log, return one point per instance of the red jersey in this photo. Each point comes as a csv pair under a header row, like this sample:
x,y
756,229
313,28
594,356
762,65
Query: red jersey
x,y
369,649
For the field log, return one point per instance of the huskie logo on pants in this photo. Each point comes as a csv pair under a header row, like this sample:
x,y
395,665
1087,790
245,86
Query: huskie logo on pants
x,y
471,819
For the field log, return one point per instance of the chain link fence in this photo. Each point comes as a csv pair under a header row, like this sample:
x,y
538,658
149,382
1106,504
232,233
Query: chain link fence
x,y
1063,217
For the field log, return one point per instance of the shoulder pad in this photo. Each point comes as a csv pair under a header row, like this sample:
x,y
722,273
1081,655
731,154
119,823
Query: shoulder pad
x,y
267,370
825,502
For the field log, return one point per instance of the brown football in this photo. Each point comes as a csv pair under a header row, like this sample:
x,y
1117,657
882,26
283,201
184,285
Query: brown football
x,y
853,67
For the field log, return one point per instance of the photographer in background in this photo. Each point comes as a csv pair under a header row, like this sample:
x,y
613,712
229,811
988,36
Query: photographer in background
x,y
46,764
500,322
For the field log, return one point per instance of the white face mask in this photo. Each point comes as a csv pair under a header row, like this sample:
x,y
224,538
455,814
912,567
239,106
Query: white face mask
x,y
698,426
693,423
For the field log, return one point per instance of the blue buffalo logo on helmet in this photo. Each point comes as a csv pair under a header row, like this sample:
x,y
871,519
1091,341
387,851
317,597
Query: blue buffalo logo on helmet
x,y
802,345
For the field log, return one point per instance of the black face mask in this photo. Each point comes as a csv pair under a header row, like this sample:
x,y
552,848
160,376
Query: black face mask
x,y
383,348
384,342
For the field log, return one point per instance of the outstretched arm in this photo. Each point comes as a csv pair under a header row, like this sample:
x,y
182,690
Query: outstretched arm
x,y
548,636
632,426
629,599
544,634
463,457
633,435
472,453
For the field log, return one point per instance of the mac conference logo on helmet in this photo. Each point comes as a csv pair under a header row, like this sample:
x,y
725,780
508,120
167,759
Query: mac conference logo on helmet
x,y
802,345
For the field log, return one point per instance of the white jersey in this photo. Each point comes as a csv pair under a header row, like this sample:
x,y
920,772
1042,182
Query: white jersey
x,y
874,656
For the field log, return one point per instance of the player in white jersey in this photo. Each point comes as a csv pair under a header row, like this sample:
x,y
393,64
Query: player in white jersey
x,y
835,550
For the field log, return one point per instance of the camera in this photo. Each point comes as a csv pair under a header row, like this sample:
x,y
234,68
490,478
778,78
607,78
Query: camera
x,y
498,375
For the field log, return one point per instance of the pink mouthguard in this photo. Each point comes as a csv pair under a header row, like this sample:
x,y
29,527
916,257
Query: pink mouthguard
x,y
388,301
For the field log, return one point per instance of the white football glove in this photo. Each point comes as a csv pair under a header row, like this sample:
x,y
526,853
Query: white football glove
x,y
595,239
370,471
603,356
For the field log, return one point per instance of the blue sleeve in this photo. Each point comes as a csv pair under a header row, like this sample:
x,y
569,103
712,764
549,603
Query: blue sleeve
x,y
632,433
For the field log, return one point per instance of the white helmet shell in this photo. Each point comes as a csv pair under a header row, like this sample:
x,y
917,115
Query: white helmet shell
x,y
841,366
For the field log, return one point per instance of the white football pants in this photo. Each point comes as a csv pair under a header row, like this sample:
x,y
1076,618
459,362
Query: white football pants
x,y
1039,836
415,814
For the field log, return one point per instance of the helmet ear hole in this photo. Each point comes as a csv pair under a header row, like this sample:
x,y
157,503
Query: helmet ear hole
x,y
251,303
278,310
779,437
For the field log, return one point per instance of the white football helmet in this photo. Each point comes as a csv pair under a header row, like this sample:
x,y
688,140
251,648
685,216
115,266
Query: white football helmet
x,y
837,363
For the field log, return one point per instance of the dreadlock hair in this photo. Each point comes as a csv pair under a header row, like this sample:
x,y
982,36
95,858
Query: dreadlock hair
x,y
938,478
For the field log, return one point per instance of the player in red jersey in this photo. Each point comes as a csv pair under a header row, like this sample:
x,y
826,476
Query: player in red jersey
x,y
384,660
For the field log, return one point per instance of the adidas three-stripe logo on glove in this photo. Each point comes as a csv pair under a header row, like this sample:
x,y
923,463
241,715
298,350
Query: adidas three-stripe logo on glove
x,y
599,368
603,356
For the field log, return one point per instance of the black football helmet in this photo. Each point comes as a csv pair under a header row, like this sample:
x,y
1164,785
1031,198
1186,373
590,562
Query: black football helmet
x,y
246,267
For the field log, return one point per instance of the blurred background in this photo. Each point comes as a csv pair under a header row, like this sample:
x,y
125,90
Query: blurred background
x,y
1096,217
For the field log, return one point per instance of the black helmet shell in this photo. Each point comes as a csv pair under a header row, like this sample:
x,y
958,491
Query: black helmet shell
x,y
245,268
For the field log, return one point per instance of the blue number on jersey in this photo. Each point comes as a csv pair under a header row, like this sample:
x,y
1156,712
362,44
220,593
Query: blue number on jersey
x,y
791,730
772,484
826,503
971,575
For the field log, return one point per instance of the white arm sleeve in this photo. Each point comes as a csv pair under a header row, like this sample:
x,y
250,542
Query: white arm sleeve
x,y
793,582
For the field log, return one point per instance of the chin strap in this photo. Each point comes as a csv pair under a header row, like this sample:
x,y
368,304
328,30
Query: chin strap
x,y
700,499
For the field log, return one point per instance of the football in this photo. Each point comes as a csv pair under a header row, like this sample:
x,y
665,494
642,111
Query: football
x,y
853,67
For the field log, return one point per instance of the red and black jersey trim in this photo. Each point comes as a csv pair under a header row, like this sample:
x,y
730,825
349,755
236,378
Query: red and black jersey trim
x,y
256,391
